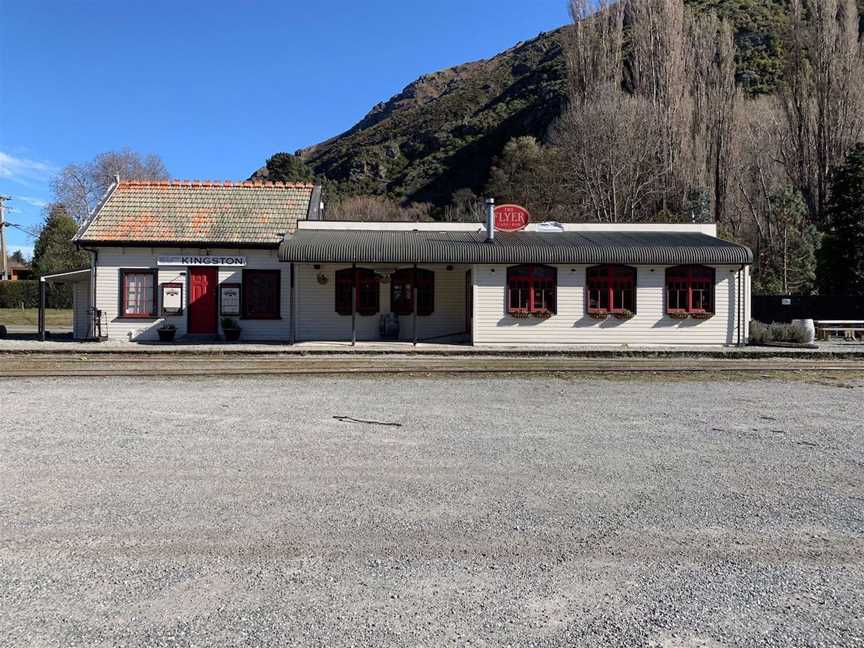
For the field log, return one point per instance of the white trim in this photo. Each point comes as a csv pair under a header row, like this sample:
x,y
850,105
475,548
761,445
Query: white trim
x,y
78,275
92,216
393,226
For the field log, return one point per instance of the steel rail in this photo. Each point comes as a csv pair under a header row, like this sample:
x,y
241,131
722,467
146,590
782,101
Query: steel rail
x,y
54,367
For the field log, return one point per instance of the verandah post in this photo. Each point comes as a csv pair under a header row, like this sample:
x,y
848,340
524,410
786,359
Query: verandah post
x,y
414,305
42,308
354,290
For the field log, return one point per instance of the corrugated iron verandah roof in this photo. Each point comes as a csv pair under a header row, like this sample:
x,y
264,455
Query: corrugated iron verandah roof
x,y
583,248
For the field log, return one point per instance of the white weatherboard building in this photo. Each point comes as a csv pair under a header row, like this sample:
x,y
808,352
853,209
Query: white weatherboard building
x,y
192,253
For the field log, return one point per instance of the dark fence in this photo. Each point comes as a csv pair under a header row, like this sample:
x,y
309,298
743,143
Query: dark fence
x,y
25,294
785,308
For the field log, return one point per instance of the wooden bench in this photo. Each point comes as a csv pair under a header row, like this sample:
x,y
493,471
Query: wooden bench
x,y
849,328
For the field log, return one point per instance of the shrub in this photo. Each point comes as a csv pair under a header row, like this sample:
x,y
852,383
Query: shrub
x,y
777,332
25,294
758,333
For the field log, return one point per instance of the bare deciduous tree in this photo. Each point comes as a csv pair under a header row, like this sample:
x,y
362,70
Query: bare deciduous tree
x,y
376,208
607,176
822,97
467,207
715,96
596,52
79,187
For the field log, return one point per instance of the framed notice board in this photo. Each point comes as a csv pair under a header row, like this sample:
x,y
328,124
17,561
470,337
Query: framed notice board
x,y
229,299
172,298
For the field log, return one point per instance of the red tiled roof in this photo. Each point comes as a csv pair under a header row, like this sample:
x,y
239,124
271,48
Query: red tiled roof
x,y
198,211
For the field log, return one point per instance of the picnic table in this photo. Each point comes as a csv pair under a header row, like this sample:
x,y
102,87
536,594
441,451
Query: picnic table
x,y
850,329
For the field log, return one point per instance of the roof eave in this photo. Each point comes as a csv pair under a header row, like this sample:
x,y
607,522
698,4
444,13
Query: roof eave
x,y
260,245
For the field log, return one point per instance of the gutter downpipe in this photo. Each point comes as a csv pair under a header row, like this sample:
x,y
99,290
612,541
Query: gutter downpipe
x,y
91,327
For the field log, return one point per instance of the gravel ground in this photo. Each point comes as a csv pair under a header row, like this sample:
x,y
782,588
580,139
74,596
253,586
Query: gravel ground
x,y
529,512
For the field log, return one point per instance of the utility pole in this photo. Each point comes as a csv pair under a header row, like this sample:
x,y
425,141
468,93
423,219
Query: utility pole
x,y
4,260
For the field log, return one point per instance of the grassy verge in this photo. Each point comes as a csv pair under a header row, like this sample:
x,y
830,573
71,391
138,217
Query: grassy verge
x,y
30,317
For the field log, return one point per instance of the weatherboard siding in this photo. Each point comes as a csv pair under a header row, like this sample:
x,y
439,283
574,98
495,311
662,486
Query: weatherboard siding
x,y
108,291
80,306
571,324
317,318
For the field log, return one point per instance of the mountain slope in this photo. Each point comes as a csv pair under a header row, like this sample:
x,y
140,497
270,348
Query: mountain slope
x,y
441,133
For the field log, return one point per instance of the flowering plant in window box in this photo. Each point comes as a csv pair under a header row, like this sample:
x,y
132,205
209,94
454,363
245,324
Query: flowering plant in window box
x,y
520,314
598,314
624,314
702,316
542,314
679,316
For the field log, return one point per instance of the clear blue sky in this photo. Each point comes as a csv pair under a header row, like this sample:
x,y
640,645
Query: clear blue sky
x,y
216,87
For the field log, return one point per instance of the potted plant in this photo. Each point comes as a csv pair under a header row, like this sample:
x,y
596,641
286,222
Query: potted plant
x,y
598,314
167,332
230,329
544,314
702,316
624,314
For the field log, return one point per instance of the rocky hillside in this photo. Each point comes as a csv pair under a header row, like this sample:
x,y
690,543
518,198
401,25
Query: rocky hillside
x,y
441,133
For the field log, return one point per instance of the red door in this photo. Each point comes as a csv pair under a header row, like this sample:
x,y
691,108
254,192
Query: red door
x,y
202,300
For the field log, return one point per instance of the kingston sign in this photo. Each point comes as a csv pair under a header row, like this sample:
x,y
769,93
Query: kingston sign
x,y
196,260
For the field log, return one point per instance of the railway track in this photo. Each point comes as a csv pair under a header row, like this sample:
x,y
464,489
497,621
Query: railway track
x,y
125,365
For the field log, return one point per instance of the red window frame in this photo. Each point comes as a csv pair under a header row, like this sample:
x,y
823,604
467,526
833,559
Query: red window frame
x,y
261,301
402,291
124,294
690,289
532,289
611,288
362,284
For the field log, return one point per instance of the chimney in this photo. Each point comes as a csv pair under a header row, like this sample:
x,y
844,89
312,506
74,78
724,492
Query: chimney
x,y
490,219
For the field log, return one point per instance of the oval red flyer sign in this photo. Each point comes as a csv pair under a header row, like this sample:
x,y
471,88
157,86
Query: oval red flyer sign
x,y
511,218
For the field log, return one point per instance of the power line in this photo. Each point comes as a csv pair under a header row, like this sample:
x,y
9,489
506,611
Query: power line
x,y
29,231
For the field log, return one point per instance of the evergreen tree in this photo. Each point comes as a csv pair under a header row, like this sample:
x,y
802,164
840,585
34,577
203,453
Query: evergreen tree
x,y
843,263
54,251
787,258
284,167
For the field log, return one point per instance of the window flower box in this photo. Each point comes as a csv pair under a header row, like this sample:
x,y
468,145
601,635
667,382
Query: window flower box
x,y
520,314
679,316
598,314
624,315
702,316
542,314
